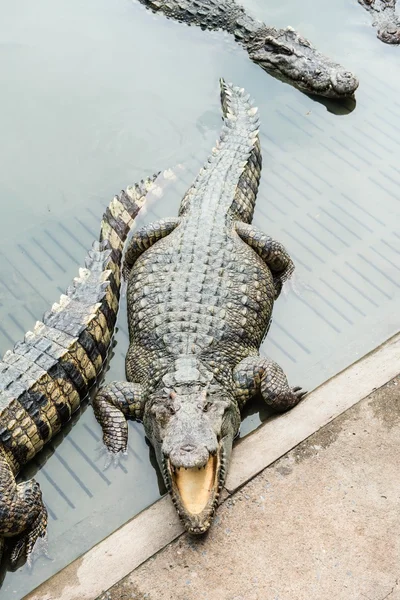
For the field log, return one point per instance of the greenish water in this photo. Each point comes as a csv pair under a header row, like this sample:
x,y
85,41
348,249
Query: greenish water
x,y
98,94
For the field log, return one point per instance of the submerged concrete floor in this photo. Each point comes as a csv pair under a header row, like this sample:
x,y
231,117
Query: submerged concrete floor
x,y
321,523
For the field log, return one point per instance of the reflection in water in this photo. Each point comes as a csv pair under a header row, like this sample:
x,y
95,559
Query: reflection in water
x,y
336,107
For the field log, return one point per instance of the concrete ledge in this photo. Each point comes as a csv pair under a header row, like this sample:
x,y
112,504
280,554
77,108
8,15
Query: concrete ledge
x,y
281,434
150,531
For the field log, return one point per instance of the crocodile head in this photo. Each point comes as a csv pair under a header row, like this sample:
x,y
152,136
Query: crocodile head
x,y
389,31
192,431
289,57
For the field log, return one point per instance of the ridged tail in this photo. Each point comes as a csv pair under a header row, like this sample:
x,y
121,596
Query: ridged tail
x,y
236,158
44,379
249,180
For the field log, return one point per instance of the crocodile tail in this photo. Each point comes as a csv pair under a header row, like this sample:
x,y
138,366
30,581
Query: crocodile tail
x,y
44,379
232,101
236,157
118,218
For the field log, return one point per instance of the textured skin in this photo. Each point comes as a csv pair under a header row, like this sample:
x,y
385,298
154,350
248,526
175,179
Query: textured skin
x,y
281,52
200,300
386,21
44,379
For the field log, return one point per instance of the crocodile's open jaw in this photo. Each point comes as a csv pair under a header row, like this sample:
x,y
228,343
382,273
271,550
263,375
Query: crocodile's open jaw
x,y
195,485
195,491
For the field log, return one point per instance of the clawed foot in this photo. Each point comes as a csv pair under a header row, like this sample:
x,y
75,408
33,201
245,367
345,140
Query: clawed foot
x,y
299,392
289,399
32,544
40,549
295,396
296,286
114,458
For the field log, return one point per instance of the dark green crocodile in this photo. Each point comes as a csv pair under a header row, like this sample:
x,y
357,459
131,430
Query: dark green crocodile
x,y
44,379
386,20
283,53
201,288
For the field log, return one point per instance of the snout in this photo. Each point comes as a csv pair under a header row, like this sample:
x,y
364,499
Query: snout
x,y
390,33
189,455
344,83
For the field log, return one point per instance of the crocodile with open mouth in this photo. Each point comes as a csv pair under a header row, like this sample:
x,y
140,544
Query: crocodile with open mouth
x,y
386,20
44,379
201,289
283,53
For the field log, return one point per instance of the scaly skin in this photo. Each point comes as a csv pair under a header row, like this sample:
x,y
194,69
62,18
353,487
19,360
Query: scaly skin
x,y
201,289
283,53
386,21
44,379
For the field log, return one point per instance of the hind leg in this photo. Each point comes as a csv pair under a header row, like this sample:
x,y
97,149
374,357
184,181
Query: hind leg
x,y
273,253
22,512
144,238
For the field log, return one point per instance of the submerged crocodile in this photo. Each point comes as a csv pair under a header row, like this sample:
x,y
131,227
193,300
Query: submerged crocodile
x,y
44,379
283,53
201,288
386,20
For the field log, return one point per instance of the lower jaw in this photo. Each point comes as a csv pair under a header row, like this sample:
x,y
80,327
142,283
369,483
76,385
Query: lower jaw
x,y
196,506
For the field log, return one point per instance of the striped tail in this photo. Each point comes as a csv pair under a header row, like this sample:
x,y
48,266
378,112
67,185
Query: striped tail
x,y
44,379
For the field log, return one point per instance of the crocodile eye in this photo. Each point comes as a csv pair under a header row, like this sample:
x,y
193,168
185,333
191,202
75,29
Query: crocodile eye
x,y
163,409
276,47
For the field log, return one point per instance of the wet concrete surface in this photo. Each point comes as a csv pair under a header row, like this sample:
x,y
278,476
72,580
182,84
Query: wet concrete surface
x,y
321,523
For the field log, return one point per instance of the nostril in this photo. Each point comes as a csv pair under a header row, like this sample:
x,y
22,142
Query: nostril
x,y
345,75
187,448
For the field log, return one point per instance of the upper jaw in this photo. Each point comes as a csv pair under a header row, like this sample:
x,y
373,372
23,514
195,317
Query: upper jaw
x,y
195,490
329,90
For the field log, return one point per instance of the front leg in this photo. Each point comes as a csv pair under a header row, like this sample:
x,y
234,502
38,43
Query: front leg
x,y
112,404
256,374
144,238
273,253
23,516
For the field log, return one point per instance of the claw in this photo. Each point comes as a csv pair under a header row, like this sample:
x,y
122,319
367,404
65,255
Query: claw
x,y
113,458
299,392
41,548
296,286
32,544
